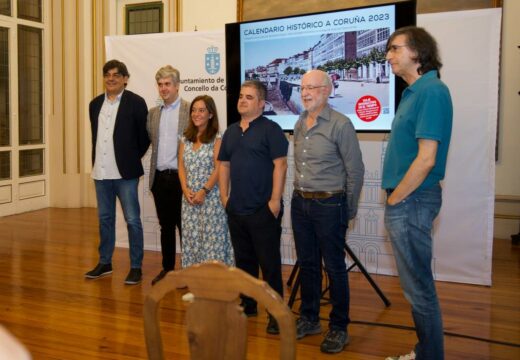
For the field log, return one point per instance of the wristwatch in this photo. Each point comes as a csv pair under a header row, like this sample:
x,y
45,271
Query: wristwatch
x,y
206,190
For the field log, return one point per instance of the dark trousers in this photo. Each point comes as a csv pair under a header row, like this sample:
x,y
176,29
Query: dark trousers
x,y
319,229
167,194
256,244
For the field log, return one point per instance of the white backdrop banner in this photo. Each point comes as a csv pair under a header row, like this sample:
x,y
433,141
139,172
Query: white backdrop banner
x,y
470,50
200,59
463,232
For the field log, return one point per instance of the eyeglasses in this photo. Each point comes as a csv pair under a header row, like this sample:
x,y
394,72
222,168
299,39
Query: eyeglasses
x,y
394,48
114,75
311,87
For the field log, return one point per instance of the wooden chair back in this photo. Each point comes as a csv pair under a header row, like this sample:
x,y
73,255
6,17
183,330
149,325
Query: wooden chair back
x,y
216,324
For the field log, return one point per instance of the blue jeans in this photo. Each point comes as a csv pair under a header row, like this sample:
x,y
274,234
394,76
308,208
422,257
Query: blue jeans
x,y
126,191
409,225
319,229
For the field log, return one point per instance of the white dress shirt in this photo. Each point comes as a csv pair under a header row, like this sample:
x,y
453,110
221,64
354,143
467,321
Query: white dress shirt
x,y
168,137
105,166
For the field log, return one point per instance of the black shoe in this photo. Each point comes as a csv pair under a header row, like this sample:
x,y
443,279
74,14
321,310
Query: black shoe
x,y
159,277
133,277
305,327
334,341
272,326
249,310
99,271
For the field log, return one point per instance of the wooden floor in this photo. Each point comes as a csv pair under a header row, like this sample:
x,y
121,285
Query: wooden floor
x,y
57,314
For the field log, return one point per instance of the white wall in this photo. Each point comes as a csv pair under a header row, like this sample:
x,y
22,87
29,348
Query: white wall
x,y
205,15
508,169
508,165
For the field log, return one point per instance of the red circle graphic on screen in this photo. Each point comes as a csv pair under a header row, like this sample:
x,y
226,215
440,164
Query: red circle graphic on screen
x,y
368,108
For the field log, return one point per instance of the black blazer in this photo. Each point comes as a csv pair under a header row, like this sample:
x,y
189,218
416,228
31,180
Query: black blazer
x,y
130,136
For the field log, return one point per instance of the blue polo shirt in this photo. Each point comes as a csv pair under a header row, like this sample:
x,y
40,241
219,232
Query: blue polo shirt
x,y
251,154
425,112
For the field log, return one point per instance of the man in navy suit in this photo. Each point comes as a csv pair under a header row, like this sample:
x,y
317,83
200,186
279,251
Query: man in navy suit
x,y
119,141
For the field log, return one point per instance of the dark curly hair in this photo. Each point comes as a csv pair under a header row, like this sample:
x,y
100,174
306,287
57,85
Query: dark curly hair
x,y
115,64
425,46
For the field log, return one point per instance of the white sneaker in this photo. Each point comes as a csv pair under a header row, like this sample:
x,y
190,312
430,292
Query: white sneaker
x,y
189,297
410,356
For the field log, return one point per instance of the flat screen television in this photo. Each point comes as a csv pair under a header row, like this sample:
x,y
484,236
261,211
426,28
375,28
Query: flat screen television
x,y
348,44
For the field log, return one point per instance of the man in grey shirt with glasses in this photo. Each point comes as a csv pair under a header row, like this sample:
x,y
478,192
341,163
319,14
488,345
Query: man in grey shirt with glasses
x,y
327,183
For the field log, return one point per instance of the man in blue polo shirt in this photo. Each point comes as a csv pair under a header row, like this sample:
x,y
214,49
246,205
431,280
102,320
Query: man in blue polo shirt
x,y
253,158
415,162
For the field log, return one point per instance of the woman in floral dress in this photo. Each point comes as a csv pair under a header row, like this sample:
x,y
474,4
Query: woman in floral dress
x,y
205,234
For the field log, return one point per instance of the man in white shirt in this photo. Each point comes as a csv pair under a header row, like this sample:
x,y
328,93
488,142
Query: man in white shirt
x,y
165,126
119,141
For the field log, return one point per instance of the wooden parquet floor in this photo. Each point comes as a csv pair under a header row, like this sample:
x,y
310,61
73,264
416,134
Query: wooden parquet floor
x,y
46,302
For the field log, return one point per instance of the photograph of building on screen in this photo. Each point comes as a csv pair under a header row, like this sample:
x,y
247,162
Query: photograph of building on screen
x,y
355,62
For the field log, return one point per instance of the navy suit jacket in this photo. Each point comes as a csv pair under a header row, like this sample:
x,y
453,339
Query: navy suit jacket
x,y
130,136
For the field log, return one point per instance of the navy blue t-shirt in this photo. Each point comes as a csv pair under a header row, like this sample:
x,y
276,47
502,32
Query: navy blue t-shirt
x,y
251,154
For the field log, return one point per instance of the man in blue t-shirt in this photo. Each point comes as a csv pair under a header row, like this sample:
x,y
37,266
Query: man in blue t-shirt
x,y
415,162
253,159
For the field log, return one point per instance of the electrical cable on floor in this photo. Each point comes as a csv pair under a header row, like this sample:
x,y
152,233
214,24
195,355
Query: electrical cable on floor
x,y
405,327
411,328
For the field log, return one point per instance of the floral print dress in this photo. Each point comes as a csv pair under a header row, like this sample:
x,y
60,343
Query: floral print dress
x,y
205,234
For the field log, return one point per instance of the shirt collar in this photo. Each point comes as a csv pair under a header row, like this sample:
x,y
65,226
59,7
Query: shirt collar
x,y
432,74
173,105
255,121
118,97
324,113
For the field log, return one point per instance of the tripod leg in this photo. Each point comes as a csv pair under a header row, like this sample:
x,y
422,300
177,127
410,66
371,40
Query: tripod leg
x,y
294,271
295,288
367,275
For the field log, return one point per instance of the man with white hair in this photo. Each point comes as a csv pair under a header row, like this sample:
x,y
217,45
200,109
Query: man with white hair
x,y
327,183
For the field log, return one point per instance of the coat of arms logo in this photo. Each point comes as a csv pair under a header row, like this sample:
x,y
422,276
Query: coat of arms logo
x,y
212,60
